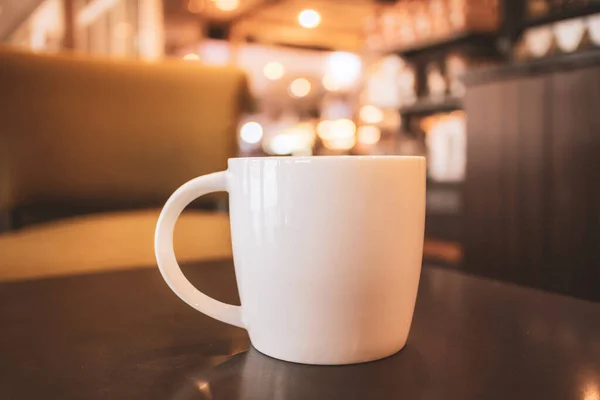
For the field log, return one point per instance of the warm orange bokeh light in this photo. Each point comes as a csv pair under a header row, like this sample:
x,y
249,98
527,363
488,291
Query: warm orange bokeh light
x,y
300,87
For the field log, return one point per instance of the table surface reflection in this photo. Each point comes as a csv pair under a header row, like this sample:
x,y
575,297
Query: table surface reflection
x,y
124,335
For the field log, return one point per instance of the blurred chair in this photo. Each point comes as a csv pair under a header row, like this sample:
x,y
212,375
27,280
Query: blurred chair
x,y
79,136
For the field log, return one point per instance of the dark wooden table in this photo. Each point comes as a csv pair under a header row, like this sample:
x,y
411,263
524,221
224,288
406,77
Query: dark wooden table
x,y
124,335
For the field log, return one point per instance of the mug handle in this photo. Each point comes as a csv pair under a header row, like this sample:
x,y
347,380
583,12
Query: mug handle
x,y
165,254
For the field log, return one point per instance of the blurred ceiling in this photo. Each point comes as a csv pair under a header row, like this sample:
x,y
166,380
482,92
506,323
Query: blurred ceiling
x,y
276,21
13,13
264,21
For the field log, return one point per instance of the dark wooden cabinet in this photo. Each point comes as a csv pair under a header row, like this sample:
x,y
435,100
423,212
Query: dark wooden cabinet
x,y
532,190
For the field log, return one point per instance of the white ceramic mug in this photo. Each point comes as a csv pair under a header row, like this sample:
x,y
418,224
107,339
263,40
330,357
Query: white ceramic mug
x,y
327,253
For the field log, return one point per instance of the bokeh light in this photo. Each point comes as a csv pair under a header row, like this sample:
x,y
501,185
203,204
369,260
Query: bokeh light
x,y
309,19
337,134
274,71
330,84
371,114
368,134
300,87
343,70
251,132
297,140
227,5
191,57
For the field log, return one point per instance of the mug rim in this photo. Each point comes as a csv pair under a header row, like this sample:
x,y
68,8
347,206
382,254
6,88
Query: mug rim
x,y
329,158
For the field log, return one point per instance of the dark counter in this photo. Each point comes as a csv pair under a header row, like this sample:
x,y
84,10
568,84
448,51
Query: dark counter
x,y
125,335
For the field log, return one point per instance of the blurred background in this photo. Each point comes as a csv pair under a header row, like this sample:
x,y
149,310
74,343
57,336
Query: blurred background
x,y
500,96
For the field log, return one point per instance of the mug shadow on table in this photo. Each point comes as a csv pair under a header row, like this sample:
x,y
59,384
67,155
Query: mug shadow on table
x,y
252,375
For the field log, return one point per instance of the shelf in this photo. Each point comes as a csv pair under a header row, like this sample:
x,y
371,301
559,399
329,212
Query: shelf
x,y
559,62
429,107
458,39
569,13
